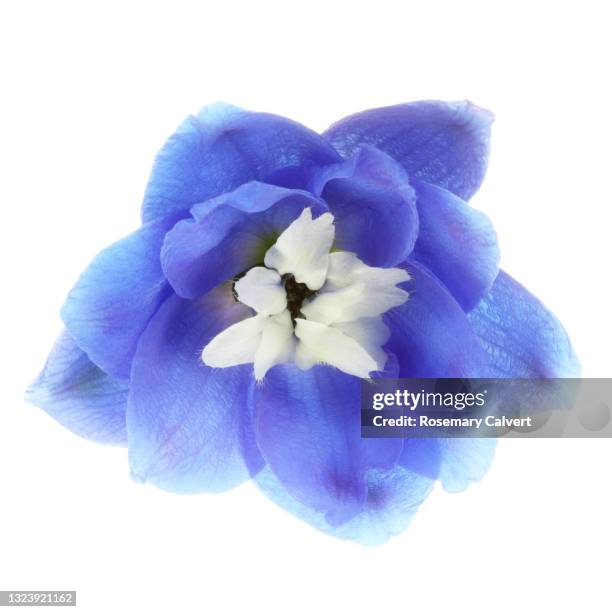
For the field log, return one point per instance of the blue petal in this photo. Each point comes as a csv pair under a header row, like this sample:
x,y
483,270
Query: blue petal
x,y
221,148
464,461
229,235
392,501
373,205
523,338
432,338
307,427
456,462
431,334
113,300
79,395
457,243
188,424
444,143
422,456
393,498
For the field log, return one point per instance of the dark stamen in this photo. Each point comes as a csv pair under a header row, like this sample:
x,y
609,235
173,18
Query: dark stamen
x,y
296,294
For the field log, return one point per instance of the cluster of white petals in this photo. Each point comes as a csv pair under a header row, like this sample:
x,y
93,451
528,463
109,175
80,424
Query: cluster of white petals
x,y
339,319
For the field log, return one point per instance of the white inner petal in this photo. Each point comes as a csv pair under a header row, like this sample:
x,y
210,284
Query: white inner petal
x,y
303,249
371,334
262,290
321,343
354,291
276,344
235,345
346,269
353,302
262,340
331,306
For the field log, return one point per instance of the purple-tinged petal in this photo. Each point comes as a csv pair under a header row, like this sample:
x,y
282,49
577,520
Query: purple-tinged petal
x,y
230,234
392,499
318,412
189,424
116,295
523,338
373,206
223,147
79,395
443,143
431,334
457,243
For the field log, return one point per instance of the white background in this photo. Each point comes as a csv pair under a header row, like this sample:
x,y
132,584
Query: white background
x,y
89,93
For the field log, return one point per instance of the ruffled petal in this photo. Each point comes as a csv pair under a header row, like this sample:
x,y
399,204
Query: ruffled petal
x,y
223,147
444,143
79,395
457,243
318,412
373,206
189,424
523,338
116,295
230,234
431,334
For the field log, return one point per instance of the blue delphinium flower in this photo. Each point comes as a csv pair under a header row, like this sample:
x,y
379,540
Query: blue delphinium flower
x,y
275,268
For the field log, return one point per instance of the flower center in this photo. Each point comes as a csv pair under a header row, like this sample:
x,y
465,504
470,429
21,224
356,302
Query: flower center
x,y
297,293
310,306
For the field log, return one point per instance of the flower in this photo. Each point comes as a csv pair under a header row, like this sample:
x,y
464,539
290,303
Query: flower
x,y
275,268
